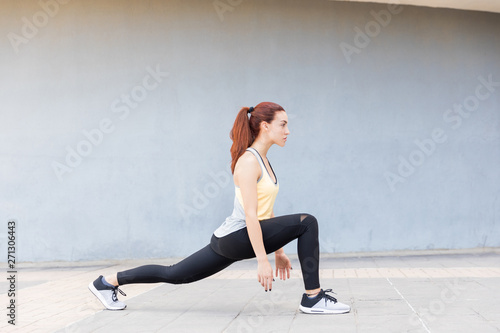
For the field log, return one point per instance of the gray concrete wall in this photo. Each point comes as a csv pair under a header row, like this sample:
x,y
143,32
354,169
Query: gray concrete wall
x,y
115,119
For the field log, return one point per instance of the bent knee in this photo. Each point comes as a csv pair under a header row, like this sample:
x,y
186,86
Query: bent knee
x,y
308,218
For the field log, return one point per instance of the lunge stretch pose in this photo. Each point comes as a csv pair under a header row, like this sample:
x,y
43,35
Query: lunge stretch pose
x,y
252,230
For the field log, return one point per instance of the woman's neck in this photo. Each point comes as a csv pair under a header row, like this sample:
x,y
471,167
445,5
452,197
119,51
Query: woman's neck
x,y
261,147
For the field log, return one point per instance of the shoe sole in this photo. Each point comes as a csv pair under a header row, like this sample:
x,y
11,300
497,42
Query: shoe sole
x,y
100,298
319,311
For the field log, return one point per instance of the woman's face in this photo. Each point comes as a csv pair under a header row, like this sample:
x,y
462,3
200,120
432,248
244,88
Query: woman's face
x,y
278,129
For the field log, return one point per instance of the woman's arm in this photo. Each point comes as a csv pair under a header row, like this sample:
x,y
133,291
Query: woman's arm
x,y
247,172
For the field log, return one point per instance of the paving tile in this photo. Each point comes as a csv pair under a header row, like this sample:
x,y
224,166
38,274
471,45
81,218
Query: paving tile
x,y
388,293
260,323
461,324
345,323
383,308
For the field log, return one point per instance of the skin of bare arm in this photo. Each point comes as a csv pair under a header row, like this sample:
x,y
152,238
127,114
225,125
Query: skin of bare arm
x,y
246,174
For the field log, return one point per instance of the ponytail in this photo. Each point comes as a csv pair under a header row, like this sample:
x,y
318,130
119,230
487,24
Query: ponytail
x,y
242,137
246,130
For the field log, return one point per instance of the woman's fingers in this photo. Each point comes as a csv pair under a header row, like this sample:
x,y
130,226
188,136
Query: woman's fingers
x,y
262,280
283,273
266,281
265,272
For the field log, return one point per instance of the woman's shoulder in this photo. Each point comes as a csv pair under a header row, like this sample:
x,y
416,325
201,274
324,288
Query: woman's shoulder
x,y
247,162
247,159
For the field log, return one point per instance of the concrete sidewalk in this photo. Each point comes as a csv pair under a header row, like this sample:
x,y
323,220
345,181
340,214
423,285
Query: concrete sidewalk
x,y
432,291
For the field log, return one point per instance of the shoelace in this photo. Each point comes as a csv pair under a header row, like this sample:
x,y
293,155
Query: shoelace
x,y
329,297
115,298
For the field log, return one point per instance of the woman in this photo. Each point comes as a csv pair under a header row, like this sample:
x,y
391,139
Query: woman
x,y
252,230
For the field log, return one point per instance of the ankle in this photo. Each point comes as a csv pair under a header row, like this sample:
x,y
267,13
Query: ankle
x,y
313,293
111,279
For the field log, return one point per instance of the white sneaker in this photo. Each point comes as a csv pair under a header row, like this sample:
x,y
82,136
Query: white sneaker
x,y
107,295
323,303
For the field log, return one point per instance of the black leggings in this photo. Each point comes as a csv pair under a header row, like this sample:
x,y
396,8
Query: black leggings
x,y
222,252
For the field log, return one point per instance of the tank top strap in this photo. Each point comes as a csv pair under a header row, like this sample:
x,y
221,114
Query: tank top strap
x,y
261,162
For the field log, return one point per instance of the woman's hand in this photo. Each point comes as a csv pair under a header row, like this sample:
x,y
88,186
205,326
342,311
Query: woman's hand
x,y
265,274
283,265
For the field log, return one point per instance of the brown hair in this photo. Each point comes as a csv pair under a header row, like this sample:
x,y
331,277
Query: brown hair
x,y
246,129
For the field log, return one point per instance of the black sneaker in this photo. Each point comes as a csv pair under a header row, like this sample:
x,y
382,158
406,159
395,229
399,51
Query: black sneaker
x,y
323,303
107,295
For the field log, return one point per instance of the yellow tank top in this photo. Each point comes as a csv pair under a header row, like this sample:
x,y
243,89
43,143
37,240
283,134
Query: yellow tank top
x,y
267,190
